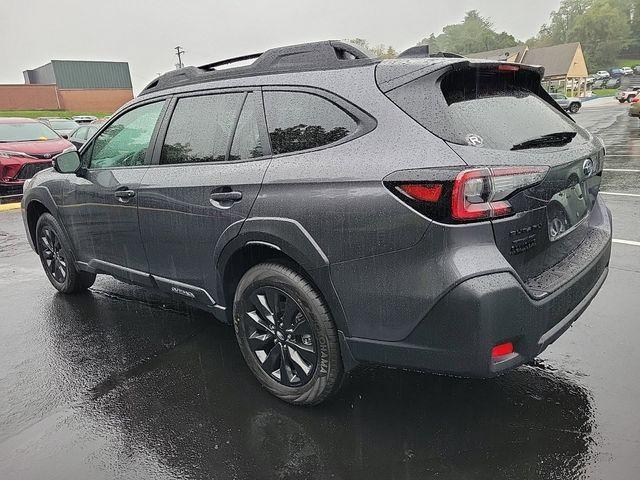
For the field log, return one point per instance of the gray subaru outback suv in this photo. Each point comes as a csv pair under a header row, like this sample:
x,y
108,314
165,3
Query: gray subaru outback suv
x,y
429,212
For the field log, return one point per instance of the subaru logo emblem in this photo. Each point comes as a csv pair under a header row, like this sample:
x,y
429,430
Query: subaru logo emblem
x,y
587,167
47,155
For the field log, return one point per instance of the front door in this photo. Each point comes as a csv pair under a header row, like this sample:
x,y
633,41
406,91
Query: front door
x,y
99,208
204,181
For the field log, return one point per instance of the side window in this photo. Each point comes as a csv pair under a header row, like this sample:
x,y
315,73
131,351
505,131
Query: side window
x,y
201,128
300,121
246,141
81,133
124,143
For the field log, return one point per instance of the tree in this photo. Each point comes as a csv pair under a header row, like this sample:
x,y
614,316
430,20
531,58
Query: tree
x,y
474,34
604,31
380,51
605,28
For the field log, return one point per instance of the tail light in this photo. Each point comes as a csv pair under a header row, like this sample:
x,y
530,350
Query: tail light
x,y
467,195
635,100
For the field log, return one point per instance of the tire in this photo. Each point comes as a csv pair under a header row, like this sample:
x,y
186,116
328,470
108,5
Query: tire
x,y
57,259
574,107
622,100
286,335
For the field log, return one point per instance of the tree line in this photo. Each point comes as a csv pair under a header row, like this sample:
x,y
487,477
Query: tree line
x,y
606,29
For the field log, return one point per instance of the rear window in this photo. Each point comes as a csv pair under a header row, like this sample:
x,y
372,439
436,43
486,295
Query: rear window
x,y
63,124
483,108
25,132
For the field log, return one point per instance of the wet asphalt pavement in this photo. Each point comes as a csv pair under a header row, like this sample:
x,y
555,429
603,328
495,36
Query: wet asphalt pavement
x,y
121,383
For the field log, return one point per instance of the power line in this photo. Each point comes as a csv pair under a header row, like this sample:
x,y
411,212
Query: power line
x,y
179,53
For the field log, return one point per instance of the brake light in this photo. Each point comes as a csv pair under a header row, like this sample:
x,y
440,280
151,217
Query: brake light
x,y
635,100
455,196
508,68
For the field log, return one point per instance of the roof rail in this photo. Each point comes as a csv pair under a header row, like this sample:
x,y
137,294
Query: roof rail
x,y
325,55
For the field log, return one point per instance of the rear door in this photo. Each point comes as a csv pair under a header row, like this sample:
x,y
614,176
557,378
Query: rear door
x,y
209,163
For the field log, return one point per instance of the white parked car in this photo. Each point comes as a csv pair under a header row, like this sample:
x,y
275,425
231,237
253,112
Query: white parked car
x,y
571,104
627,70
602,74
627,94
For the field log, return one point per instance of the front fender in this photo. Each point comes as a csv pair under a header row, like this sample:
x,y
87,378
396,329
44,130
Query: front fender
x,y
43,196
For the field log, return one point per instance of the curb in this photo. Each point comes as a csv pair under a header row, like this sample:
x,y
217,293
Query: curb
x,y
9,206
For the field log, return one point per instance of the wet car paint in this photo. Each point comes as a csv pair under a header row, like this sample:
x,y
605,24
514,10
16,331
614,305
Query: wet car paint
x,y
122,383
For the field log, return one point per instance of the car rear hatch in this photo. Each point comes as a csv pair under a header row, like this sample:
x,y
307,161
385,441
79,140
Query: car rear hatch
x,y
537,173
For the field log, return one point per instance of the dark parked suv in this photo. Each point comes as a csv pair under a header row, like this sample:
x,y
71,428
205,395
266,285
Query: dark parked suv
x,y
436,213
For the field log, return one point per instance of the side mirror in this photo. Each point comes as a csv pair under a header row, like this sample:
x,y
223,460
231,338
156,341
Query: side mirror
x,y
67,162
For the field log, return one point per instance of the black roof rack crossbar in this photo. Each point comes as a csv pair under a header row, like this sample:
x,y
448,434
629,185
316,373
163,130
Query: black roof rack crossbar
x,y
212,66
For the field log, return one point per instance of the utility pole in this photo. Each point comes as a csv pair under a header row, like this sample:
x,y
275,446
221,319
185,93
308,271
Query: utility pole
x,y
179,53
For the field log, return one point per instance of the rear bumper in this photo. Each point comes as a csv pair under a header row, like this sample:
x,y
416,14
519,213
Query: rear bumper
x,y
456,336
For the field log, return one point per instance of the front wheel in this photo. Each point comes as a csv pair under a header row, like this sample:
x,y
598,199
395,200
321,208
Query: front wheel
x,y
57,261
286,335
574,107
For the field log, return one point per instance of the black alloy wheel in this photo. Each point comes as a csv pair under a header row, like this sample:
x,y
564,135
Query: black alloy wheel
x,y
286,334
280,336
53,257
57,259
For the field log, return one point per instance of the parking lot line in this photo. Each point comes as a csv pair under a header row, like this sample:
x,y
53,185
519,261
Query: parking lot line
x,y
622,155
620,170
626,242
621,194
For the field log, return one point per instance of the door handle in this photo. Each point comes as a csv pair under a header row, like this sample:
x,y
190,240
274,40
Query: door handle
x,y
124,195
224,197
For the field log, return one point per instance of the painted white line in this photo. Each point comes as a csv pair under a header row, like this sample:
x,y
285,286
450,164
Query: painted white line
x,y
626,242
622,155
621,194
621,170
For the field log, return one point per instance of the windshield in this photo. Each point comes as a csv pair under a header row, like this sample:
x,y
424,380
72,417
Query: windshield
x,y
63,124
25,132
484,108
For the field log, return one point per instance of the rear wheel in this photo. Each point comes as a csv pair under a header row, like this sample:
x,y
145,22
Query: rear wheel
x,y
622,100
286,335
55,256
574,107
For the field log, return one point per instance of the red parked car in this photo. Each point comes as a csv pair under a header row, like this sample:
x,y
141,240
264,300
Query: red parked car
x,y
26,147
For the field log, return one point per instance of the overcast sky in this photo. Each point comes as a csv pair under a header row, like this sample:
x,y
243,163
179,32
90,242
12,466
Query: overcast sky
x,y
143,33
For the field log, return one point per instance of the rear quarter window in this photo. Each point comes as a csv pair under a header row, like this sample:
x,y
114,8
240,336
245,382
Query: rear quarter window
x,y
301,121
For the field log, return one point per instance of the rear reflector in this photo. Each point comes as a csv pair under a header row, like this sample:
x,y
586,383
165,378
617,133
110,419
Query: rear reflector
x,y
502,349
426,193
508,68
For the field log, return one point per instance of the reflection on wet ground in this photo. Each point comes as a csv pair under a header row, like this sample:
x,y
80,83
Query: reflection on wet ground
x,y
177,389
121,383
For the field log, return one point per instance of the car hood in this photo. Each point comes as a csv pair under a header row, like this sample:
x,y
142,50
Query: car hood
x,y
38,148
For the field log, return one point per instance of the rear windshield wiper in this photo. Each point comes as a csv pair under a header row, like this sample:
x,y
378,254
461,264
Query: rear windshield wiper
x,y
549,140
